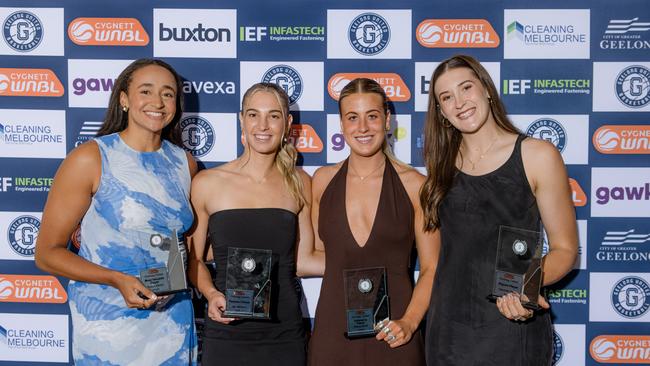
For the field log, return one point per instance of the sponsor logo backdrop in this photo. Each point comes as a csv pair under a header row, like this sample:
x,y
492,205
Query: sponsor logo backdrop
x,y
577,75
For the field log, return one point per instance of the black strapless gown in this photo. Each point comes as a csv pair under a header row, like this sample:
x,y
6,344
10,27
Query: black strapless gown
x,y
281,340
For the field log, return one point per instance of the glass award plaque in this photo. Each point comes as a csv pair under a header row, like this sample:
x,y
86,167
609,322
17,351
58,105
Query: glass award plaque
x,y
366,300
248,283
518,265
165,275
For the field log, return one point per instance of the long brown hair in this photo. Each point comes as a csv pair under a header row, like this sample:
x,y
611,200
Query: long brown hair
x,y
116,119
442,143
285,158
365,85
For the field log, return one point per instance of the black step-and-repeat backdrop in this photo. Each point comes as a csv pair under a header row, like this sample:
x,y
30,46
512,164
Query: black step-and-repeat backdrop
x,y
574,73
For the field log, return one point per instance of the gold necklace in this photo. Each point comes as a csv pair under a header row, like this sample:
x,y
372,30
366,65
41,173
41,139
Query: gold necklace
x,y
482,155
367,175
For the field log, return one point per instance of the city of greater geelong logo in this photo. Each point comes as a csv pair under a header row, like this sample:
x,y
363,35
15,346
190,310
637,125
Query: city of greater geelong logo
x,y
197,135
22,234
633,86
558,348
550,130
369,34
287,78
631,297
22,31
626,34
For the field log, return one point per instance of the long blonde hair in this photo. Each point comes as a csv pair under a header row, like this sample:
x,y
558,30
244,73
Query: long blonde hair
x,y
286,156
442,142
365,85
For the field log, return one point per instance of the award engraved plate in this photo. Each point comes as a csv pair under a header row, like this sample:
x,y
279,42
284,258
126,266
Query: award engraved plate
x,y
248,283
366,300
166,276
518,265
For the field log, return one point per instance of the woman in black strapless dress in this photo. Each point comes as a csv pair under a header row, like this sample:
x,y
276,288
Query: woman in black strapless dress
x,y
482,174
257,201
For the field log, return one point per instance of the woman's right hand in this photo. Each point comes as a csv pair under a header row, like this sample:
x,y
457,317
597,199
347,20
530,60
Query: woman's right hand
x,y
216,306
135,294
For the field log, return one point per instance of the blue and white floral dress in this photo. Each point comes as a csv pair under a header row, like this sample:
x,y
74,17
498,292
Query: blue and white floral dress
x,y
138,192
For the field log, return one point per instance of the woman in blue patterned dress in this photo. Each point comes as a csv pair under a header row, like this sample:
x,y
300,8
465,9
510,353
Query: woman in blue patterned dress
x,y
131,179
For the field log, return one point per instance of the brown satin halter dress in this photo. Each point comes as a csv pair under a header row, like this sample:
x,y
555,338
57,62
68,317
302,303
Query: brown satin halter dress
x,y
390,245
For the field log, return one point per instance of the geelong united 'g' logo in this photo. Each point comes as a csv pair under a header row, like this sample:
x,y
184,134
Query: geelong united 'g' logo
x,y
633,86
558,348
550,130
197,135
22,235
287,78
22,31
369,34
631,297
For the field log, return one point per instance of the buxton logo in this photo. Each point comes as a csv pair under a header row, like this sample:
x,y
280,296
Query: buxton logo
x,y
197,135
196,34
558,348
550,130
29,83
107,32
577,193
393,85
457,33
22,234
605,194
81,85
287,78
305,138
26,288
621,349
631,297
633,86
369,34
22,31
622,139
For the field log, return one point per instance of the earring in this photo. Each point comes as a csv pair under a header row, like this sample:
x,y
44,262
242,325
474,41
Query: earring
x,y
125,109
445,122
489,99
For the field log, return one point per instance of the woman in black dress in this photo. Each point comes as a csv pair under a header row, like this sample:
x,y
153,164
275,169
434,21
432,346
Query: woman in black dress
x,y
482,173
259,201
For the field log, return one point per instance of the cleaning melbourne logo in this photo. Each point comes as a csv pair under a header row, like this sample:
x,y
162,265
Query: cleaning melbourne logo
x,y
369,33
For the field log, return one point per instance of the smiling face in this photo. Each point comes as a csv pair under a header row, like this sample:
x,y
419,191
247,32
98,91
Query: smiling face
x,y
364,122
264,123
150,98
463,99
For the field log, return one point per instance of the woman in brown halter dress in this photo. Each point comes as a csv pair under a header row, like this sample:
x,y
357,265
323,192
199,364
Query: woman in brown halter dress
x,y
366,213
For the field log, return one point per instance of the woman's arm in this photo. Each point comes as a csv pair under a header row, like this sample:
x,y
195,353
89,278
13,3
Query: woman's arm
x,y
310,261
74,184
198,273
428,248
550,184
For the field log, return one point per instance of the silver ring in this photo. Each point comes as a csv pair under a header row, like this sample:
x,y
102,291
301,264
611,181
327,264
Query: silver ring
x,y
386,330
390,338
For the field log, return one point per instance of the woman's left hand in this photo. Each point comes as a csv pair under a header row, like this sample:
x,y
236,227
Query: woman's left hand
x,y
510,306
396,333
